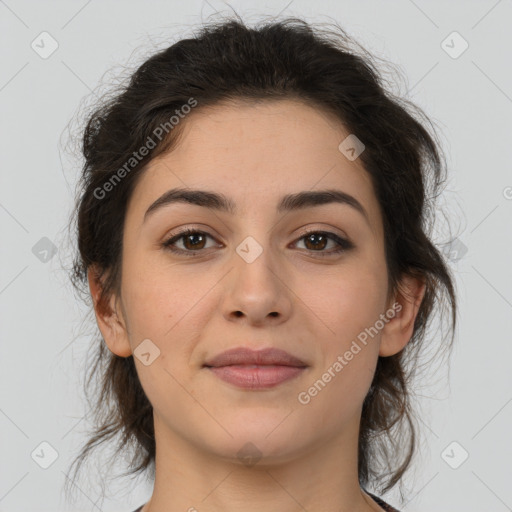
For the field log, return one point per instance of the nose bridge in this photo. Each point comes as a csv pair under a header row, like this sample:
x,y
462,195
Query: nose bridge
x,y
255,265
257,289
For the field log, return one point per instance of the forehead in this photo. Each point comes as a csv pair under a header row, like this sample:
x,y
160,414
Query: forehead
x,y
254,153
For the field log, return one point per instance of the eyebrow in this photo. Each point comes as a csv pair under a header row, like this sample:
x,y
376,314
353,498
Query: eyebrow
x,y
290,202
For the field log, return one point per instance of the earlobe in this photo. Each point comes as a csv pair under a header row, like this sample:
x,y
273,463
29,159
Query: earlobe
x,y
110,323
399,330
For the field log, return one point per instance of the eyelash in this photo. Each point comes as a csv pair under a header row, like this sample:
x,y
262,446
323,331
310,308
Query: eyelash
x,y
344,245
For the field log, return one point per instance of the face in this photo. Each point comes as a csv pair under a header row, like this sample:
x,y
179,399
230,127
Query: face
x,y
307,279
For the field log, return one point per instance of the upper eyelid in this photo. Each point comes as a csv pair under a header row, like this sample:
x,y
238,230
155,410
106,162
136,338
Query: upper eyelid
x,y
302,232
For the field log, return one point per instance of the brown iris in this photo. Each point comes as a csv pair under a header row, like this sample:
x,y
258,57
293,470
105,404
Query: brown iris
x,y
316,236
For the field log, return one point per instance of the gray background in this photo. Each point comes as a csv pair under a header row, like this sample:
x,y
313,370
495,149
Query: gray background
x,y
44,340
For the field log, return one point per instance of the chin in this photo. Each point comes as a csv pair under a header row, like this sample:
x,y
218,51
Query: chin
x,y
263,442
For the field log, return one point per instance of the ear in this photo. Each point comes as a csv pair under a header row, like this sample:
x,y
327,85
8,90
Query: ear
x,y
398,331
109,317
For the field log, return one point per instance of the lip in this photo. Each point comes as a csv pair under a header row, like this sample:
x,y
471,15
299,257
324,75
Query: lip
x,y
259,369
264,357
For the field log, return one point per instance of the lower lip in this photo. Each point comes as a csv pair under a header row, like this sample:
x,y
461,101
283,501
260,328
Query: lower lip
x,y
256,377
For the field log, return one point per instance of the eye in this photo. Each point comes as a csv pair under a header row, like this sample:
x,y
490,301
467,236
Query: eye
x,y
316,241
193,241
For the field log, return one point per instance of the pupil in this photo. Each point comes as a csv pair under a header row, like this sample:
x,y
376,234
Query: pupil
x,y
192,237
312,237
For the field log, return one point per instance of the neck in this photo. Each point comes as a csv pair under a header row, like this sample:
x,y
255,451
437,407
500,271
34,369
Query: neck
x,y
323,477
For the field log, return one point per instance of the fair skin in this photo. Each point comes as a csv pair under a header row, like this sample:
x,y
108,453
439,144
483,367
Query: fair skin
x,y
289,297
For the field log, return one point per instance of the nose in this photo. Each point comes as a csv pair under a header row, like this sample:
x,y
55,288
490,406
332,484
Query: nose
x,y
258,293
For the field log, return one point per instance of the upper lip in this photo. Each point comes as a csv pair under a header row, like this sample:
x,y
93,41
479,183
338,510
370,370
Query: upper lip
x,y
242,355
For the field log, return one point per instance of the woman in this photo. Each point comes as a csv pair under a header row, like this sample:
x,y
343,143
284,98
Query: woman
x,y
251,225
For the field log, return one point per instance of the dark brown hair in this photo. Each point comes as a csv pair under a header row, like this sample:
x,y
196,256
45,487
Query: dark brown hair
x,y
284,59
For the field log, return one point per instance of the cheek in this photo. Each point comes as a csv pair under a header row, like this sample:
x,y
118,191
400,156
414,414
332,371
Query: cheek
x,y
350,306
150,308
166,303
348,301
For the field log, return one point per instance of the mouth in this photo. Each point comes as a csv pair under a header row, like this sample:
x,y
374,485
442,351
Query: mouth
x,y
249,369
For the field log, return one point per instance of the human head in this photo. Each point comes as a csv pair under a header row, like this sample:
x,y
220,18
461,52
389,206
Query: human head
x,y
229,63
